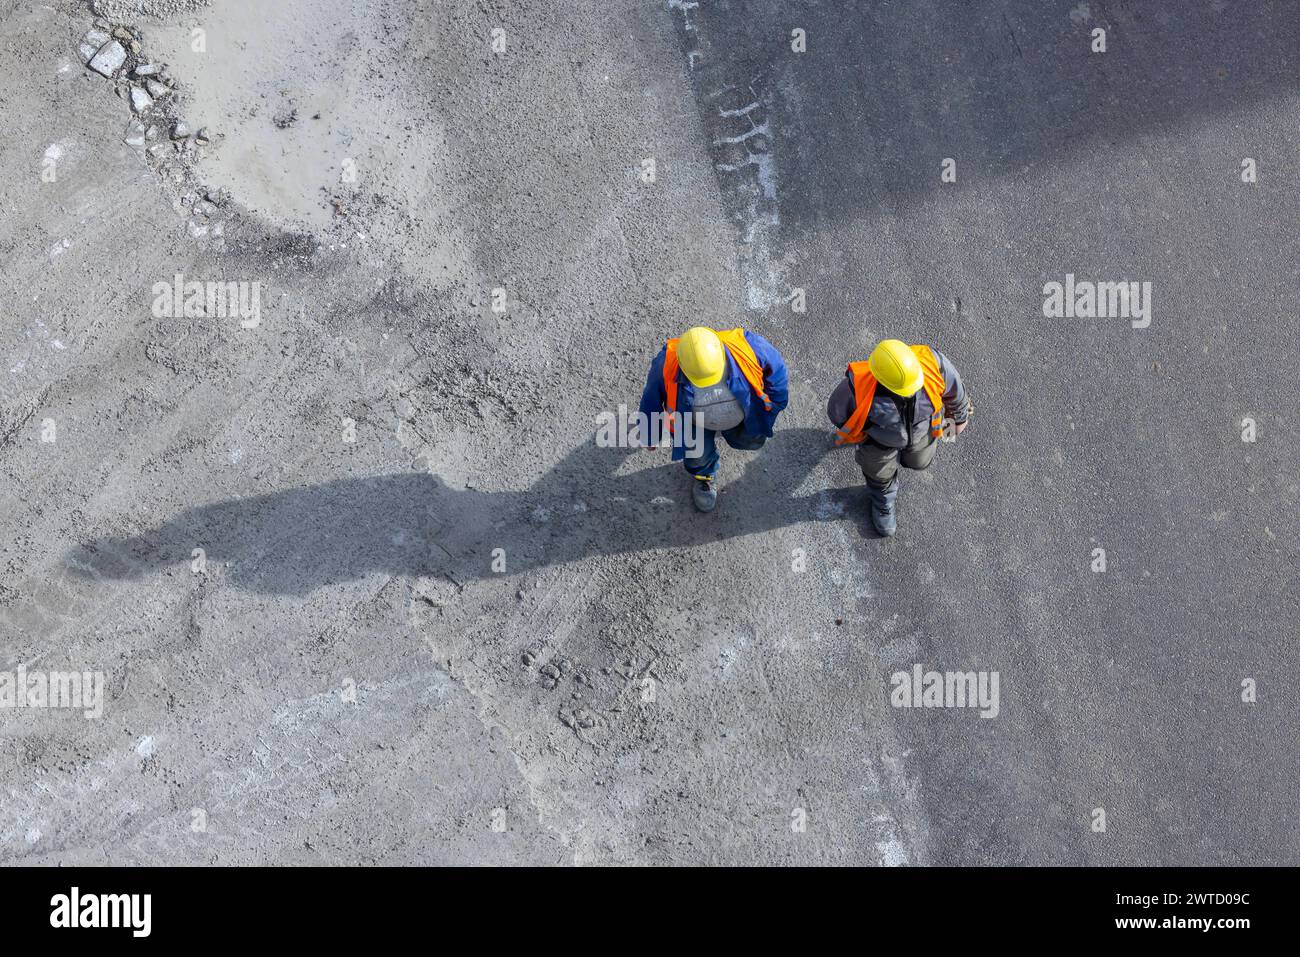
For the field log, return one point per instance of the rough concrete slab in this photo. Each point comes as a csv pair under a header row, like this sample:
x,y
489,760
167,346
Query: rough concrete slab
x,y
362,589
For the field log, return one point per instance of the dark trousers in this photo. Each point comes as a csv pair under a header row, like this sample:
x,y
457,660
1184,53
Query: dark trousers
x,y
706,466
880,465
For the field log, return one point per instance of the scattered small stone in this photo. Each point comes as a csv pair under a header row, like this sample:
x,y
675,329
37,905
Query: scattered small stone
x,y
197,230
109,59
201,137
140,100
156,150
122,33
205,209
157,90
151,133
135,46
135,134
87,51
96,38
146,69
180,130
218,229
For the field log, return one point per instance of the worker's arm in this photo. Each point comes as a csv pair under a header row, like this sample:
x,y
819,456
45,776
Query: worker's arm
x,y
776,381
956,405
653,397
954,394
842,403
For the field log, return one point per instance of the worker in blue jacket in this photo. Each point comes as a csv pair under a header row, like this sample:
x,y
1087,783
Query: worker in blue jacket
x,y
731,382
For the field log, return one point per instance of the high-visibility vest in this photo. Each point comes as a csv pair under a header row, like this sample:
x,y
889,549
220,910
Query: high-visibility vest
x,y
741,352
864,390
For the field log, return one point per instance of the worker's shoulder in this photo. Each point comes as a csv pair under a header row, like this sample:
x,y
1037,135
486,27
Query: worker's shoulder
x,y
758,341
939,356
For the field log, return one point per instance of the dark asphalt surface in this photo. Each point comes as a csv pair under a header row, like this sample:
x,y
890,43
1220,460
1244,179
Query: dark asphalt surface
x,y
1120,690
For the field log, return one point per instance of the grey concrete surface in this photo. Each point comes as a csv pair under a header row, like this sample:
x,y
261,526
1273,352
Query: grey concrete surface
x,y
364,590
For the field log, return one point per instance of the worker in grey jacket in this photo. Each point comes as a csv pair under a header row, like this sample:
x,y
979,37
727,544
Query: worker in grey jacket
x,y
893,407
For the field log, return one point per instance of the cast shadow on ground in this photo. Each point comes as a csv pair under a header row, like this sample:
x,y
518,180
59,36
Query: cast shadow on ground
x,y
295,541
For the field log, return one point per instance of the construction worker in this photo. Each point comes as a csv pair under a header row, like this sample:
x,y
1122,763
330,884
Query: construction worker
x,y
893,406
731,382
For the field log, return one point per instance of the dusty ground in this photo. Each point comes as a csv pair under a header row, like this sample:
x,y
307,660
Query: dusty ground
x,y
349,674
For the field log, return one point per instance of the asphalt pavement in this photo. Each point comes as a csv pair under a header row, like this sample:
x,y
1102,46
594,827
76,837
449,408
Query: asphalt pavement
x,y
1122,689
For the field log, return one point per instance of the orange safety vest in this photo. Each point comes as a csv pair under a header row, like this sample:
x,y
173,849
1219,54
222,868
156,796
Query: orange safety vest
x,y
741,352
864,390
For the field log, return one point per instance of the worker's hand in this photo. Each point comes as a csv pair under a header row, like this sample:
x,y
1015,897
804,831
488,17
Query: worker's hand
x,y
959,427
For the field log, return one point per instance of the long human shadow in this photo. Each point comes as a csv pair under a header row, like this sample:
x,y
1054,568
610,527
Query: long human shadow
x,y
295,541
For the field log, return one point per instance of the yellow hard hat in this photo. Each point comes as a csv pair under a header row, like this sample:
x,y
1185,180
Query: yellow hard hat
x,y
896,367
702,357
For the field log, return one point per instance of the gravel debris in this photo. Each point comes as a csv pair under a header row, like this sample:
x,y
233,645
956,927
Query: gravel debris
x,y
140,100
109,59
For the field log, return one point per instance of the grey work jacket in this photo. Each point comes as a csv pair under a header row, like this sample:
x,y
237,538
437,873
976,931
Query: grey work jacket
x,y
895,421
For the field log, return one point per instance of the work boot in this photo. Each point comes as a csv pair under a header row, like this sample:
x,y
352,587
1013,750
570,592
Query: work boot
x,y
704,493
884,520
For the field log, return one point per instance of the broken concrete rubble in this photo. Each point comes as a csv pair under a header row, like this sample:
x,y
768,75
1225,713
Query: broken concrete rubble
x,y
114,51
108,59
91,43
